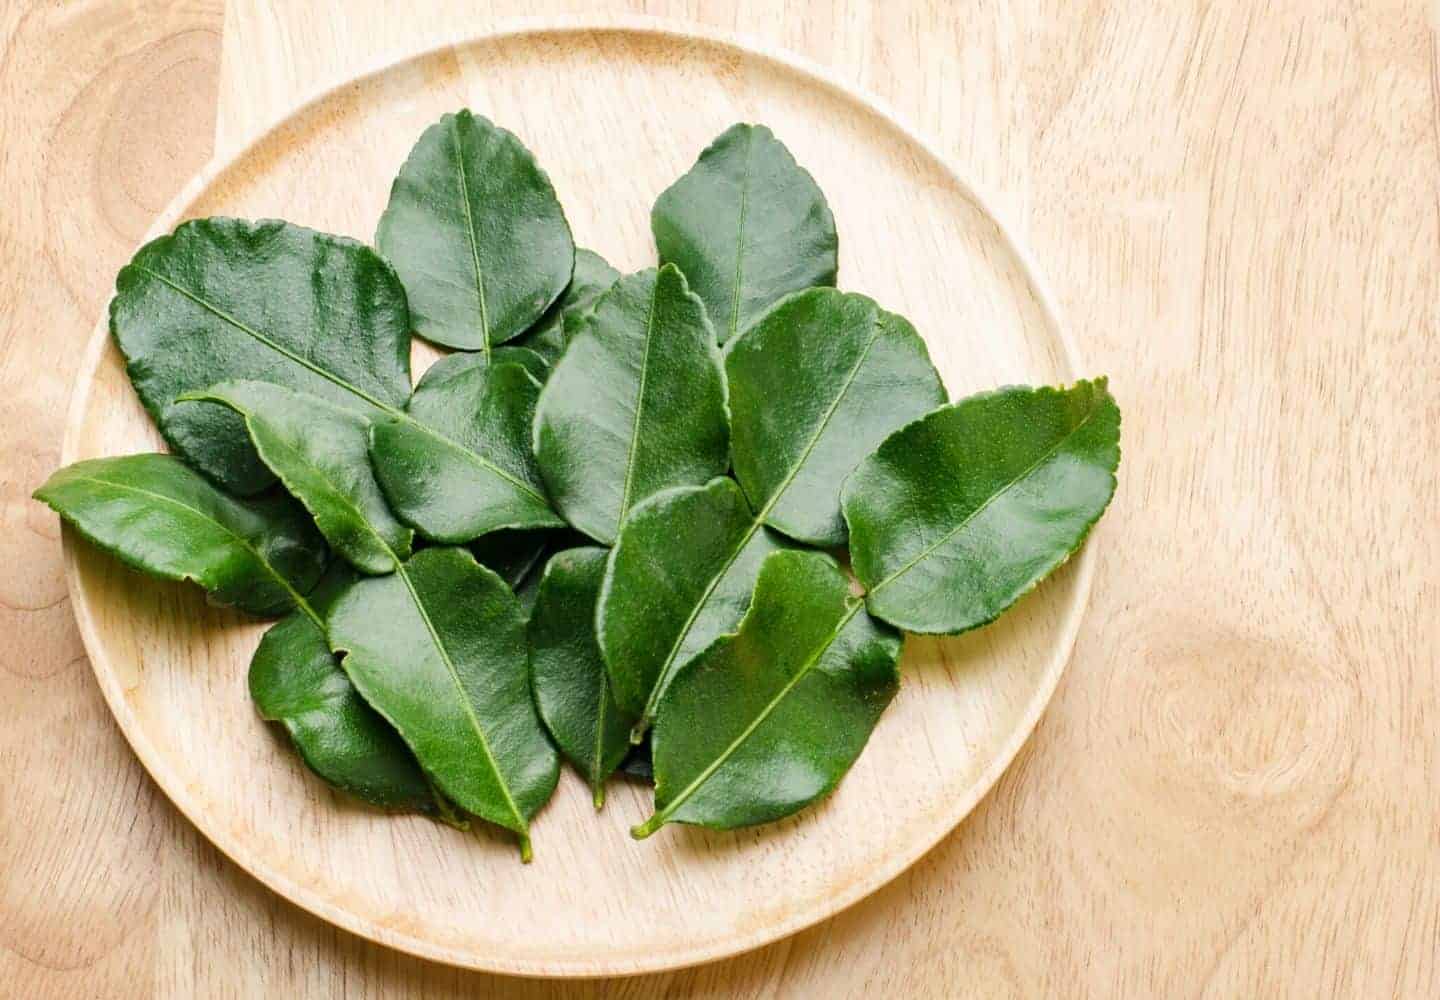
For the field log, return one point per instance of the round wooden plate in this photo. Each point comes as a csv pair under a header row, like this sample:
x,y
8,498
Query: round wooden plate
x,y
615,112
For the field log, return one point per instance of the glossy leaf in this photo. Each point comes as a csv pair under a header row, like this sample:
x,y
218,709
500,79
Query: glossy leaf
x,y
227,299
477,234
636,405
553,331
681,575
320,452
959,514
568,672
815,385
748,226
764,722
159,516
457,464
438,648
296,681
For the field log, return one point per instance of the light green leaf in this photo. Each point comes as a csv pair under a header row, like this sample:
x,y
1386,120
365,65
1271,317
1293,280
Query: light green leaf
x,y
438,648
816,384
959,514
747,225
636,404
681,575
321,454
477,234
764,722
157,515
457,464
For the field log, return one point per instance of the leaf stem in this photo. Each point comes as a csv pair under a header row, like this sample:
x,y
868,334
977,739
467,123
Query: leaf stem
x,y
648,827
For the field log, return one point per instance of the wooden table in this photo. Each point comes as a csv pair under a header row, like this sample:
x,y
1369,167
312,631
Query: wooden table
x,y
1236,791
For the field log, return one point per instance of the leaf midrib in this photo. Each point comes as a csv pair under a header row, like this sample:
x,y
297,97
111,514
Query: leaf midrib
x,y
926,552
740,234
639,402
667,667
471,236
464,698
261,338
336,494
244,542
662,815
474,456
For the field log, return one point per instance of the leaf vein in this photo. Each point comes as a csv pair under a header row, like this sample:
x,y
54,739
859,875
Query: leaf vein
x,y
260,338
472,236
464,699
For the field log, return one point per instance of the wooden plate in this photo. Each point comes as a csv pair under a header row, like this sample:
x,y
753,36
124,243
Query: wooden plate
x,y
614,112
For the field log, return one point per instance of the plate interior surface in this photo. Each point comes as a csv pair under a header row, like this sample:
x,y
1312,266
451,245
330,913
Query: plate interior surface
x,y
614,116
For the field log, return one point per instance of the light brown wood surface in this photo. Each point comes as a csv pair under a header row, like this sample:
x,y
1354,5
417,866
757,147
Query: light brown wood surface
x,y
1235,790
638,101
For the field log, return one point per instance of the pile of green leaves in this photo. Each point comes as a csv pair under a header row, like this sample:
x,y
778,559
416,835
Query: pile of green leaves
x,y
607,525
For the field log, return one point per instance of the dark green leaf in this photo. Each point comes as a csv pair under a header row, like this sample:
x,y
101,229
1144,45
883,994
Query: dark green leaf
x,y
159,516
815,385
438,648
959,514
765,722
320,453
680,576
296,681
458,464
636,405
475,230
224,299
747,225
553,331
519,556
568,673
637,763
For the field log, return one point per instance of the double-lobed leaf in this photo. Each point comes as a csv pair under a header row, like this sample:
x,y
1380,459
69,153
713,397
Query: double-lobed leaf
x,y
297,682
476,232
224,299
457,464
439,649
959,514
157,515
320,452
815,385
680,576
567,670
766,721
635,405
552,332
747,225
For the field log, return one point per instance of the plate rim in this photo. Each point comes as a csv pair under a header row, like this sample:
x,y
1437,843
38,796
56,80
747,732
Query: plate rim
x,y
235,848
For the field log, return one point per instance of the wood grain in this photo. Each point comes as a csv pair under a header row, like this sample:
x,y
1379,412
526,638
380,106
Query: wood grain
x,y
1235,790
